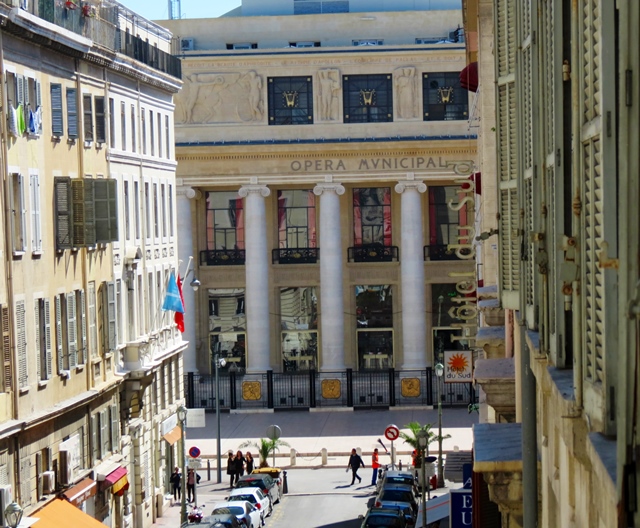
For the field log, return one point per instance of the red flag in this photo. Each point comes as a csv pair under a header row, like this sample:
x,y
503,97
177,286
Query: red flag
x,y
179,317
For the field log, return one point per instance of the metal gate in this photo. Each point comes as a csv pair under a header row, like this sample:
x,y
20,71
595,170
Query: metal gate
x,y
292,390
371,389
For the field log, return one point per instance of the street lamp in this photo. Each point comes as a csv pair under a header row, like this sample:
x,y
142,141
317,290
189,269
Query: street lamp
x,y
423,442
218,362
182,418
13,515
439,374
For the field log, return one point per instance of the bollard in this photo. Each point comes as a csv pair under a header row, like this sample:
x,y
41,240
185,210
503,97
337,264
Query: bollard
x,y
324,456
292,456
285,483
400,465
208,469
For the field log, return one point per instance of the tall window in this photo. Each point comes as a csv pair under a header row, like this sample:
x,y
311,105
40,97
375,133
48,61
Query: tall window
x,y
367,98
227,326
112,123
374,323
147,210
159,134
225,221
152,136
127,206
296,219
123,125
372,216
133,128
101,130
163,202
143,126
18,213
167,131
443,98
43,338
170,193
290,101
299,324
156,216
87,110
72,113
136,205
36,224
57,120
444,222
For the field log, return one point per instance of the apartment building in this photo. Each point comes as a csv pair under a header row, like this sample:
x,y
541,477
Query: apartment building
x,y
92,365
558,108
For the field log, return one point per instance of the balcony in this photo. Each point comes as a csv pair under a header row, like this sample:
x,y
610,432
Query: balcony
x,y
223,257
295,256
373,253
441,252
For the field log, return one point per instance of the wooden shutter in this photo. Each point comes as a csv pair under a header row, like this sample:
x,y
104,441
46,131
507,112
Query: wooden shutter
x,y
64,211
95,446
38,348
82,311
57,121
36,229
21,344
72,113
38,92
6,349
20,82
112,189
101,129
112,315
19,212
105,437
59,344
115,428
88,117
101,196
93,325
25,481
47,338
84,227
72,330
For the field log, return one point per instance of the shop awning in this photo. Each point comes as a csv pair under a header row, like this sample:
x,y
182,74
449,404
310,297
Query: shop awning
x,y
173,436
61,514
114,477
469,77
81,491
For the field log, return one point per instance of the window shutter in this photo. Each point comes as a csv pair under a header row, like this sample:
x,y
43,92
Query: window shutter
x,y
82,191
112,187
101,130
19,212
72,113
59,347
38,90
72,330
95,451
88,117
36,230
115,428
64,210
93,335
112,314
82,356
102,211
47,337
38,317
6,349
25,481
21,91
21,330
57,122
104,432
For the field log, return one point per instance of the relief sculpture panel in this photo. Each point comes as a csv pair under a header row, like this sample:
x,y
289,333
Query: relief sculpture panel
x,y
406,89
220,98
329,89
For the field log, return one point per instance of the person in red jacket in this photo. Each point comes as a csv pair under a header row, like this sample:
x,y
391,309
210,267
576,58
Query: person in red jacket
x,y
375,464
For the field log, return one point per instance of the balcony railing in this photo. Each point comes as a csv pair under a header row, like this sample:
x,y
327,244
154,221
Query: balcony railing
x,y
373,253
441,252
223,257
295,255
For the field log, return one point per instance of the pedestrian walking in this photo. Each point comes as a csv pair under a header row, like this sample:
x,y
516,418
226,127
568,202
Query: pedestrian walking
x,y
355,463
231,468
175,479
375,464
191,484
239,464
248,462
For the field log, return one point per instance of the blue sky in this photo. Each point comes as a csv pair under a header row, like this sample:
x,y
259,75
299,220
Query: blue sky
x,y
159,9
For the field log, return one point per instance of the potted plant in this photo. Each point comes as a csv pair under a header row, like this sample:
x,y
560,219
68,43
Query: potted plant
x,y
265,447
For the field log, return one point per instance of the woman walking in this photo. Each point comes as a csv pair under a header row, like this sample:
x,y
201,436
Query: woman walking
x,y
231,468
175,479
239,465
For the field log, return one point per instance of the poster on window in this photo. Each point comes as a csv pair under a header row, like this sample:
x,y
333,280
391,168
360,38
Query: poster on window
x,y
458,366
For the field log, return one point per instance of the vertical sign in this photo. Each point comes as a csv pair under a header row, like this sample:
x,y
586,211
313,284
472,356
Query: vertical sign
x,y
461,513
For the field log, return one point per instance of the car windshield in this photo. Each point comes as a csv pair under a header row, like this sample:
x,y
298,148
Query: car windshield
x,y
249,484
375,521
235,510
397,496
248,497
399,480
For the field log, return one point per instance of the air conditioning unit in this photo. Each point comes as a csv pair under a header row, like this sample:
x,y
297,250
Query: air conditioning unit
x,y
66,468
48,482
6,498
187,44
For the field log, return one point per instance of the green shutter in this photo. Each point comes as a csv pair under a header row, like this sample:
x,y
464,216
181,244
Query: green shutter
x,y
64,210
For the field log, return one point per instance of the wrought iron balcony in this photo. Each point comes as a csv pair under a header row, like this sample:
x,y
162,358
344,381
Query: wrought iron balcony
x,y
295,255
223,257
440,252
373,253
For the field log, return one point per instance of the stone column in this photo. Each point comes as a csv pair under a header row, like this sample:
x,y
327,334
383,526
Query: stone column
x,y
331,296
414,314
257,278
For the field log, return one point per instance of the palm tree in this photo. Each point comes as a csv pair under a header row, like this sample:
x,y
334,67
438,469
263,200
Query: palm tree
x,y
265,447
411,438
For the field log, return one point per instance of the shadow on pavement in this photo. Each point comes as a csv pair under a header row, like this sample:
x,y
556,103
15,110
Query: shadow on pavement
x,y
354,523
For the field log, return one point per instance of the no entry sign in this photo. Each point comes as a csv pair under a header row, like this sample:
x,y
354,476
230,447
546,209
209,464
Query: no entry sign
x,y
391,432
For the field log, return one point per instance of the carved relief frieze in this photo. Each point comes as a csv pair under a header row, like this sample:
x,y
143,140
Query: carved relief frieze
x,y
329,89
406,92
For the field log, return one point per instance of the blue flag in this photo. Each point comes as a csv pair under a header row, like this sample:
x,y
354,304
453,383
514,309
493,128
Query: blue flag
x,y
173,301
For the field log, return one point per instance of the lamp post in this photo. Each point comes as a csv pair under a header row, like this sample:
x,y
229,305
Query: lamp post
x,y
218,362
182,418
13,515
423,442
439,374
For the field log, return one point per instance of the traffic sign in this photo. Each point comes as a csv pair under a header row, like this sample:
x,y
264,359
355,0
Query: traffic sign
x,y
274,432
194,452
195,463
392,432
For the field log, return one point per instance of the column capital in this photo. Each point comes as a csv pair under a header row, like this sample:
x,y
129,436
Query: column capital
x,y
189,192
410,185
328,187
262,190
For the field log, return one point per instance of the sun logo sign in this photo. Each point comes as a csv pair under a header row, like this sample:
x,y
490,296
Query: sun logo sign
x,y
457,365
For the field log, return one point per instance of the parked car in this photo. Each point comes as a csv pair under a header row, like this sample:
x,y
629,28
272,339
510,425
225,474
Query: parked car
x,y
255,496
384,518
398,496
248,515
215,521
275,473
394,476
263,481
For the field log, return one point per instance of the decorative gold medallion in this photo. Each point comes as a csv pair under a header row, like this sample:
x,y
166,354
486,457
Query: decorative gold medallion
x,y
446,94
410,387
251,390
331,389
